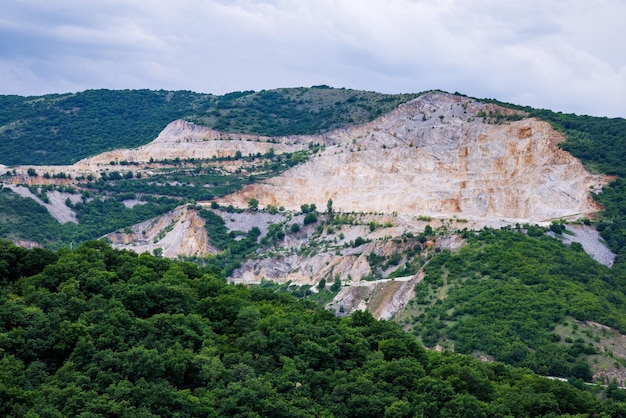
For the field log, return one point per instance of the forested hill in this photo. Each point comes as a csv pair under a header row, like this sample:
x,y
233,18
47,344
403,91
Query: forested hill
x,y
64,128
99,332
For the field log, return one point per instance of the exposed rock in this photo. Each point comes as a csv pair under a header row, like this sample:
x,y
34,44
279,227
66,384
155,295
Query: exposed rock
x,y
56,203
245,221
592,242
27,244
434,156
179,233
307,266
184,140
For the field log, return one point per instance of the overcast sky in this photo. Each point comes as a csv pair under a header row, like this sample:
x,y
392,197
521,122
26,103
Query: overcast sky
x,y
564,55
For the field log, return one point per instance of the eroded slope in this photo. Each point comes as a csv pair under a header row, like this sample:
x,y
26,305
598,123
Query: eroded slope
x,y
436,156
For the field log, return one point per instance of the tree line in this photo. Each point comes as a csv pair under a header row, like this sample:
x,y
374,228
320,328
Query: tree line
x,y
99,332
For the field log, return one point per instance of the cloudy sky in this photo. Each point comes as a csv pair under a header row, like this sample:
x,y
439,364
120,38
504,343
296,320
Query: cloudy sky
x,y
564,55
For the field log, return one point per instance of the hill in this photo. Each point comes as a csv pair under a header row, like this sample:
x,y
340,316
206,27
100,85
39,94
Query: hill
x,y
425,214
101,332
64,128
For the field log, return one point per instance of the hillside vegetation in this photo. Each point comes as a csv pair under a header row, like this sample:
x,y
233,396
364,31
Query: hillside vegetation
x,y
99,332
297,111
514,295
64,128
519,299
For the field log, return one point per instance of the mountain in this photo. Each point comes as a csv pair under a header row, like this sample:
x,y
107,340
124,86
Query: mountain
x,y
64,128
420,208
436,156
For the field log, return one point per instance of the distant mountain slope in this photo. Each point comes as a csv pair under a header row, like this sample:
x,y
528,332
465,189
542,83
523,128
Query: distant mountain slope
x,y
441,155
64,128
437,156
297,111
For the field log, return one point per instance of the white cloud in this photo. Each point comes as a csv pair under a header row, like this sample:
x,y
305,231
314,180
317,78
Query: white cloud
x,y
565,55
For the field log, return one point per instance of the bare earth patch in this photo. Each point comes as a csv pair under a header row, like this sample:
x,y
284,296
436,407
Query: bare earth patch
x,y
56,203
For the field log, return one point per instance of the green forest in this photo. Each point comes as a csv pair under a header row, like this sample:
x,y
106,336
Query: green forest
x,y
25,219
92,331
520,299
97,332
64,128
61,129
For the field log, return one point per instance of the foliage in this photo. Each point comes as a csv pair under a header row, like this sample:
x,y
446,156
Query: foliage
x,y
234,250
99,332
102,208
24,219
253,204
308,208
504,294
612,226
296,111
64,128
310,218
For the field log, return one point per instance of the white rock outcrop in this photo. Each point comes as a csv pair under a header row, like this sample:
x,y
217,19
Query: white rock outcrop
x,y
179,233
435,156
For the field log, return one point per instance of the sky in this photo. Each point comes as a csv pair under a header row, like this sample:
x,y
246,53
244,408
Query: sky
x,y
563,55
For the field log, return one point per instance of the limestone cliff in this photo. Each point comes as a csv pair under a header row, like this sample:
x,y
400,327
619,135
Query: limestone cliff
x,y
436,156
179,233
184,140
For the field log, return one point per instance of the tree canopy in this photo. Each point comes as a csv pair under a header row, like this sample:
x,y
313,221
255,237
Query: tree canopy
x,y
99,332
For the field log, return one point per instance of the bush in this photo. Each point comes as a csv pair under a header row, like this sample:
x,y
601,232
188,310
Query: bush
x,y
357,242
306,208
310,218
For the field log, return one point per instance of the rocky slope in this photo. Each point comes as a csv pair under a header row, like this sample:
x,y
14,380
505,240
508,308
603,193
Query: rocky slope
x,y
436,156
179,233
184,140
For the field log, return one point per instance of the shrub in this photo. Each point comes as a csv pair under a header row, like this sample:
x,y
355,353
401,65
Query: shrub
x,y
310,218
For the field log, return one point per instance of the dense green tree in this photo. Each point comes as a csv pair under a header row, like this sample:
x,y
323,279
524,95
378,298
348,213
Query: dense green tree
x,y
100,332
253,204
507,291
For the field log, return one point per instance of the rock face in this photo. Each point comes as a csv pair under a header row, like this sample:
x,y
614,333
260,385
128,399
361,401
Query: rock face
x,y
179,233
436,156
184,140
